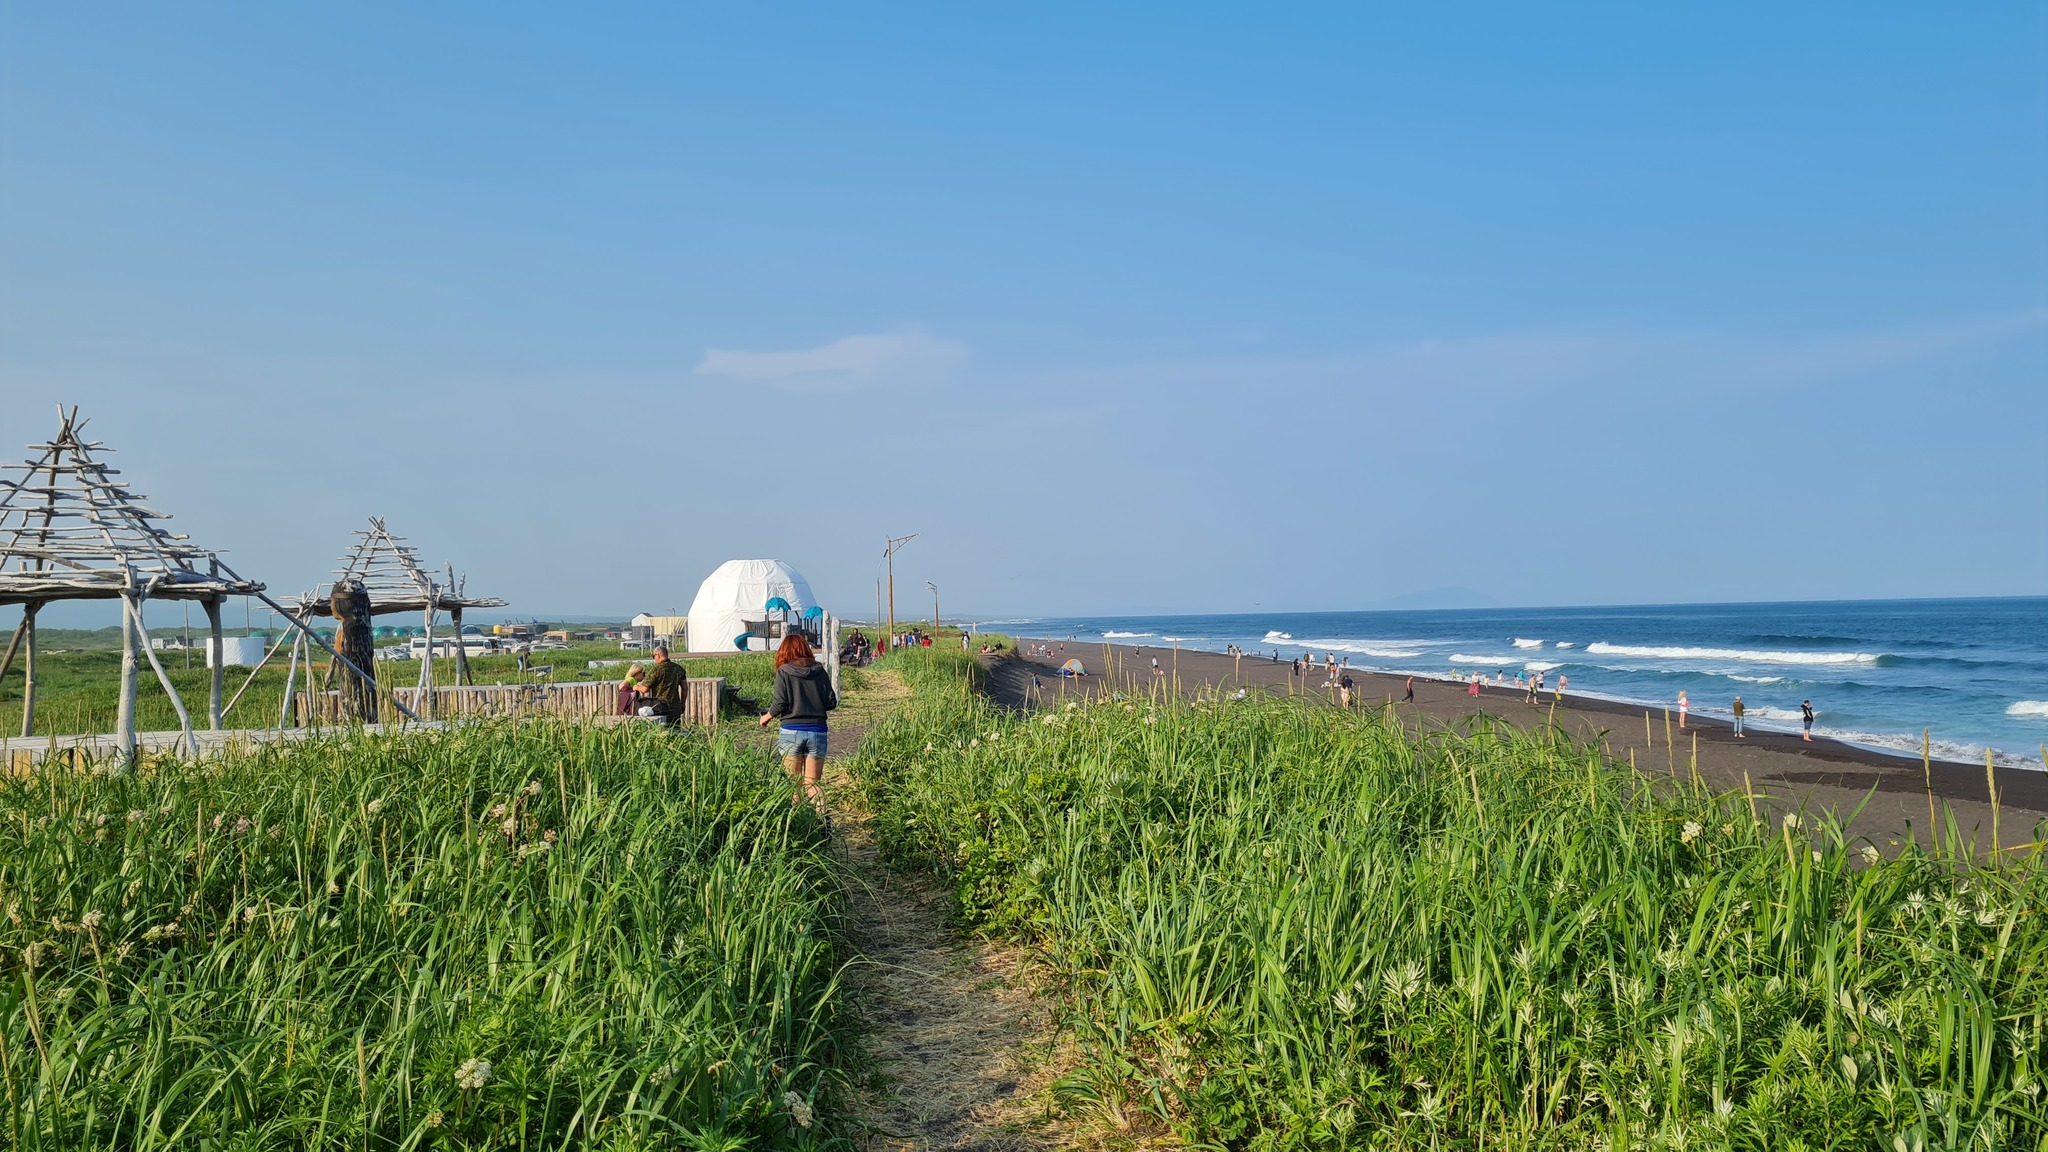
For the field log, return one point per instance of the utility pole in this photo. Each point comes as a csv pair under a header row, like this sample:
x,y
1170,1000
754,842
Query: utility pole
x,y
892,545
935,604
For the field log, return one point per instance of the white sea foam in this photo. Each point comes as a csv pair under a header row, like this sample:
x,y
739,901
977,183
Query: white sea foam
x,y
1488,661
1748,655
1125,635
1383,649
2028,709
1521,643
1541,665
1564,644
1275,636
1770,712
1756,679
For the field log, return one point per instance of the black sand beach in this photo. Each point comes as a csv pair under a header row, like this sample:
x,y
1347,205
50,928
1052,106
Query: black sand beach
x,y
1785,773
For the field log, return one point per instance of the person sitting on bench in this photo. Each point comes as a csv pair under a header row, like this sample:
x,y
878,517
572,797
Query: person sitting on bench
x,y
661,693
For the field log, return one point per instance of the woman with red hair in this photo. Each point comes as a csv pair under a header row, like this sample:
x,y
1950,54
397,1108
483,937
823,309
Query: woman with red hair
x,y
803,694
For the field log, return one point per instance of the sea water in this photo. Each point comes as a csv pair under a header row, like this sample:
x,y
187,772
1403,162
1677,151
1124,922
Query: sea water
x,y
1973,673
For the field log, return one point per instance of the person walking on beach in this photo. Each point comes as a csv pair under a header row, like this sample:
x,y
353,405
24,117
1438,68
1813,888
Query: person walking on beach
x,y
1474,689
1682,705
1738,718
1529,690
1410,697
1295,669
1806,720
803,694
1559,698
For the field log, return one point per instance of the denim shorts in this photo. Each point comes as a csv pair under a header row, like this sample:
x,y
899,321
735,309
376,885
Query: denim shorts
x,y
789,742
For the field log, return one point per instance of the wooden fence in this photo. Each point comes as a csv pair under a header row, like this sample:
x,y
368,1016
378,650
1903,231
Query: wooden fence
x,y
578,701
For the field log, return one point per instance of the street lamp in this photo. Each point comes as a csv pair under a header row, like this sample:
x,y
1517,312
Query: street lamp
x,y
892,545
935,604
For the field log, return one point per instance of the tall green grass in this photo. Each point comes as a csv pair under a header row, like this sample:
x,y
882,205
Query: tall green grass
x,y
532,936
1280,925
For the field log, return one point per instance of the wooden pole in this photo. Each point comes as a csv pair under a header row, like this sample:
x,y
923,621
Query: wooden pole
x,y
461,649
124,716
427,668
28,669
14,645
218,672
291,677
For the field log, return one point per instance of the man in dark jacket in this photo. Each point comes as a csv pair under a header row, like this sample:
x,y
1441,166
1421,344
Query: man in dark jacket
x,y
664,686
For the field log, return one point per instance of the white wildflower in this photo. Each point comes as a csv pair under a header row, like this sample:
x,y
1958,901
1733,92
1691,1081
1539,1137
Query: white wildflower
x,y
474,1074
434,1118
533,787
798,1110
662,1074
1869,853
374,806
1816,855
497,811
1791,822
92,920
136,815
243,825
510,827
1690,833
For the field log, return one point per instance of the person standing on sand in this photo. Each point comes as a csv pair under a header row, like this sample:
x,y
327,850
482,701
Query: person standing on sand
x,y
1806,720
1681,707
1738,718
1344,689
1474,689
803,694
1410,697
1295,668
1559,698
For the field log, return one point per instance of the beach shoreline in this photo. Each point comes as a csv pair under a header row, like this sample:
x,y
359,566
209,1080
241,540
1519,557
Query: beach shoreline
x,y
1892,791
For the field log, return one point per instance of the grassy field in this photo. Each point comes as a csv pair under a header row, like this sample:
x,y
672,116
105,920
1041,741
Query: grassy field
x,y
77,691
1279,925
534,936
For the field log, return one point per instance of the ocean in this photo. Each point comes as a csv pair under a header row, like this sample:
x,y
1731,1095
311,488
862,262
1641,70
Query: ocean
x,y
1974,673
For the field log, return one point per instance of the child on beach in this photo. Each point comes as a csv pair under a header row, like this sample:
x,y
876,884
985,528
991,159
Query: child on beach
x,y
1682,705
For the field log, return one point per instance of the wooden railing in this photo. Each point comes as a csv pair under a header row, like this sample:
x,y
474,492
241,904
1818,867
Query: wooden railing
x,y
578,701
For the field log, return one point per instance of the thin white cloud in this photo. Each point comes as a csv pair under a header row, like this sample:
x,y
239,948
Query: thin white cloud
x,y
908,355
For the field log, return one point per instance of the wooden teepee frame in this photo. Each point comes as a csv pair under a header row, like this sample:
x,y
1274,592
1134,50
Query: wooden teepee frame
x,y
394,581
70,530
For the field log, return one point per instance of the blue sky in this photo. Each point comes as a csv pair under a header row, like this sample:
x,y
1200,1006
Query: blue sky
x,y
1157,309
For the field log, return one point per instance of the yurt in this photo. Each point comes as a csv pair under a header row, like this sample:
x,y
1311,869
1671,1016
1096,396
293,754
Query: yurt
x,y
736,595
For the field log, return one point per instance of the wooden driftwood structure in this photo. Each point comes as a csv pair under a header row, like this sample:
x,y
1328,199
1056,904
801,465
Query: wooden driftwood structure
x,y
388,572
70,529
582,700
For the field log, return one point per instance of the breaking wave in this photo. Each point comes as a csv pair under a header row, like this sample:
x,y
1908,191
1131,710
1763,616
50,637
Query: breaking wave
x,y
1564,644
1748,655
1488,661
1275,636
1756,679
2028,709
1125,635
1521,643
1541,665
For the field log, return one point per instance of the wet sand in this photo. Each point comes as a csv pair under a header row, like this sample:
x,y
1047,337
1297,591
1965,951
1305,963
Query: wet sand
x,y
1784,772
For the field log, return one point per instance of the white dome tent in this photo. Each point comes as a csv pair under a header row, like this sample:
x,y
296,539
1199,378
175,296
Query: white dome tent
x,y
736,595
